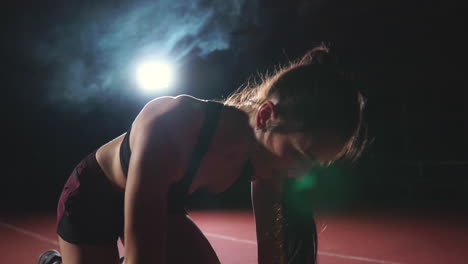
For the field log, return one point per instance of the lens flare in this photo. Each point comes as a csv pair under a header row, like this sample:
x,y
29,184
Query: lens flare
x,y
306,182
154,76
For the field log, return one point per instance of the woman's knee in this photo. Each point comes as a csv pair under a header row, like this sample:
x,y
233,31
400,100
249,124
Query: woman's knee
x,y
78,254
187,244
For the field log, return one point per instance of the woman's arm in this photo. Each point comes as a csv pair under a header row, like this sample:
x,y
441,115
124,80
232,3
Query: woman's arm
x,y
267,205
150,173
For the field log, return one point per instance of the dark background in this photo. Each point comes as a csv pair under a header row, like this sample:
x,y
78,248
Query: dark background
x,y
67,86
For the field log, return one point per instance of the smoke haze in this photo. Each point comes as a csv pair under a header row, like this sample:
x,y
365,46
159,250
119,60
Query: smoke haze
x,y
93,49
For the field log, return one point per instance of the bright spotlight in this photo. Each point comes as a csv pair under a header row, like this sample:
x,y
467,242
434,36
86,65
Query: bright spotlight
x,y
154,76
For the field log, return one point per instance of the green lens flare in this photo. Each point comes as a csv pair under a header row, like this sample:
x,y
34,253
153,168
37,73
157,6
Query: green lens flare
x,y
321,187
309,181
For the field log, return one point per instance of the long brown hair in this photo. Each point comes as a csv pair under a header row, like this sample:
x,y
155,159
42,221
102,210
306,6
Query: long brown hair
x,y
314,96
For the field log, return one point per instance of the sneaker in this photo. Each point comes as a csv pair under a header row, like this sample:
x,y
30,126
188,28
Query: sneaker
x,y
50,257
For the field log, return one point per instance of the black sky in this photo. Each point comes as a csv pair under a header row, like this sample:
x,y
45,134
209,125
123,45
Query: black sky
x,y
67,87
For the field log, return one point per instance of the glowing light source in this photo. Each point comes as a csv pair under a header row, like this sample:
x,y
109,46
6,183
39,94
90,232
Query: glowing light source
x,y
154,76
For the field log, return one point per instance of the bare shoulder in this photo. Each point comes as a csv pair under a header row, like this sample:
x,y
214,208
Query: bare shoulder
x,y
180,116
172,108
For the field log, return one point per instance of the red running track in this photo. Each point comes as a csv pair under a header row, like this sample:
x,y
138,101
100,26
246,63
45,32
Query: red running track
x,y
389,237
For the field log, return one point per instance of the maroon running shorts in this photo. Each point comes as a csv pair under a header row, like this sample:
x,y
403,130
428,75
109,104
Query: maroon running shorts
x,y
90,209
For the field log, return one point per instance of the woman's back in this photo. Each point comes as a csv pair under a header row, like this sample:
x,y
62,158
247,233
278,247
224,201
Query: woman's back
x,y
183,117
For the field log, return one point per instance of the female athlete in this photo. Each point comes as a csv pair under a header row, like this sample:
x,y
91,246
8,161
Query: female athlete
x,y
134,187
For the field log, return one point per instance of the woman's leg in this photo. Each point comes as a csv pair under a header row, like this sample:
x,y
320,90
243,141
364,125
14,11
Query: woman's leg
x,y
84,254
187,244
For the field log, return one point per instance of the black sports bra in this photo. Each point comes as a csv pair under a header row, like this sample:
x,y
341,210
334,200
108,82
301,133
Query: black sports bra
x,y
178,191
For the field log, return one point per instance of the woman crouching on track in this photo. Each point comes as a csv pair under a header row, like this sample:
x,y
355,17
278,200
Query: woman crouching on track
x,y
135,186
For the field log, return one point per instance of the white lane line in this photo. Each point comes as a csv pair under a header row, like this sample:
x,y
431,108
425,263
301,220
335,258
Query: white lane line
x,y
231,238
319,252
29,233
53,242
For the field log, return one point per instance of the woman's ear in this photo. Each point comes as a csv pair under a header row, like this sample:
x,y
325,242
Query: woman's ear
x,y
266,112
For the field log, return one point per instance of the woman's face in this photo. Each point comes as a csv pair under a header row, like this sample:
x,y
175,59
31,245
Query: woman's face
x,y
294,154
291,154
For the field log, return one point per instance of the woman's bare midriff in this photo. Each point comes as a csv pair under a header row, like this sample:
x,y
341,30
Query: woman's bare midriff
x,y
108,158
